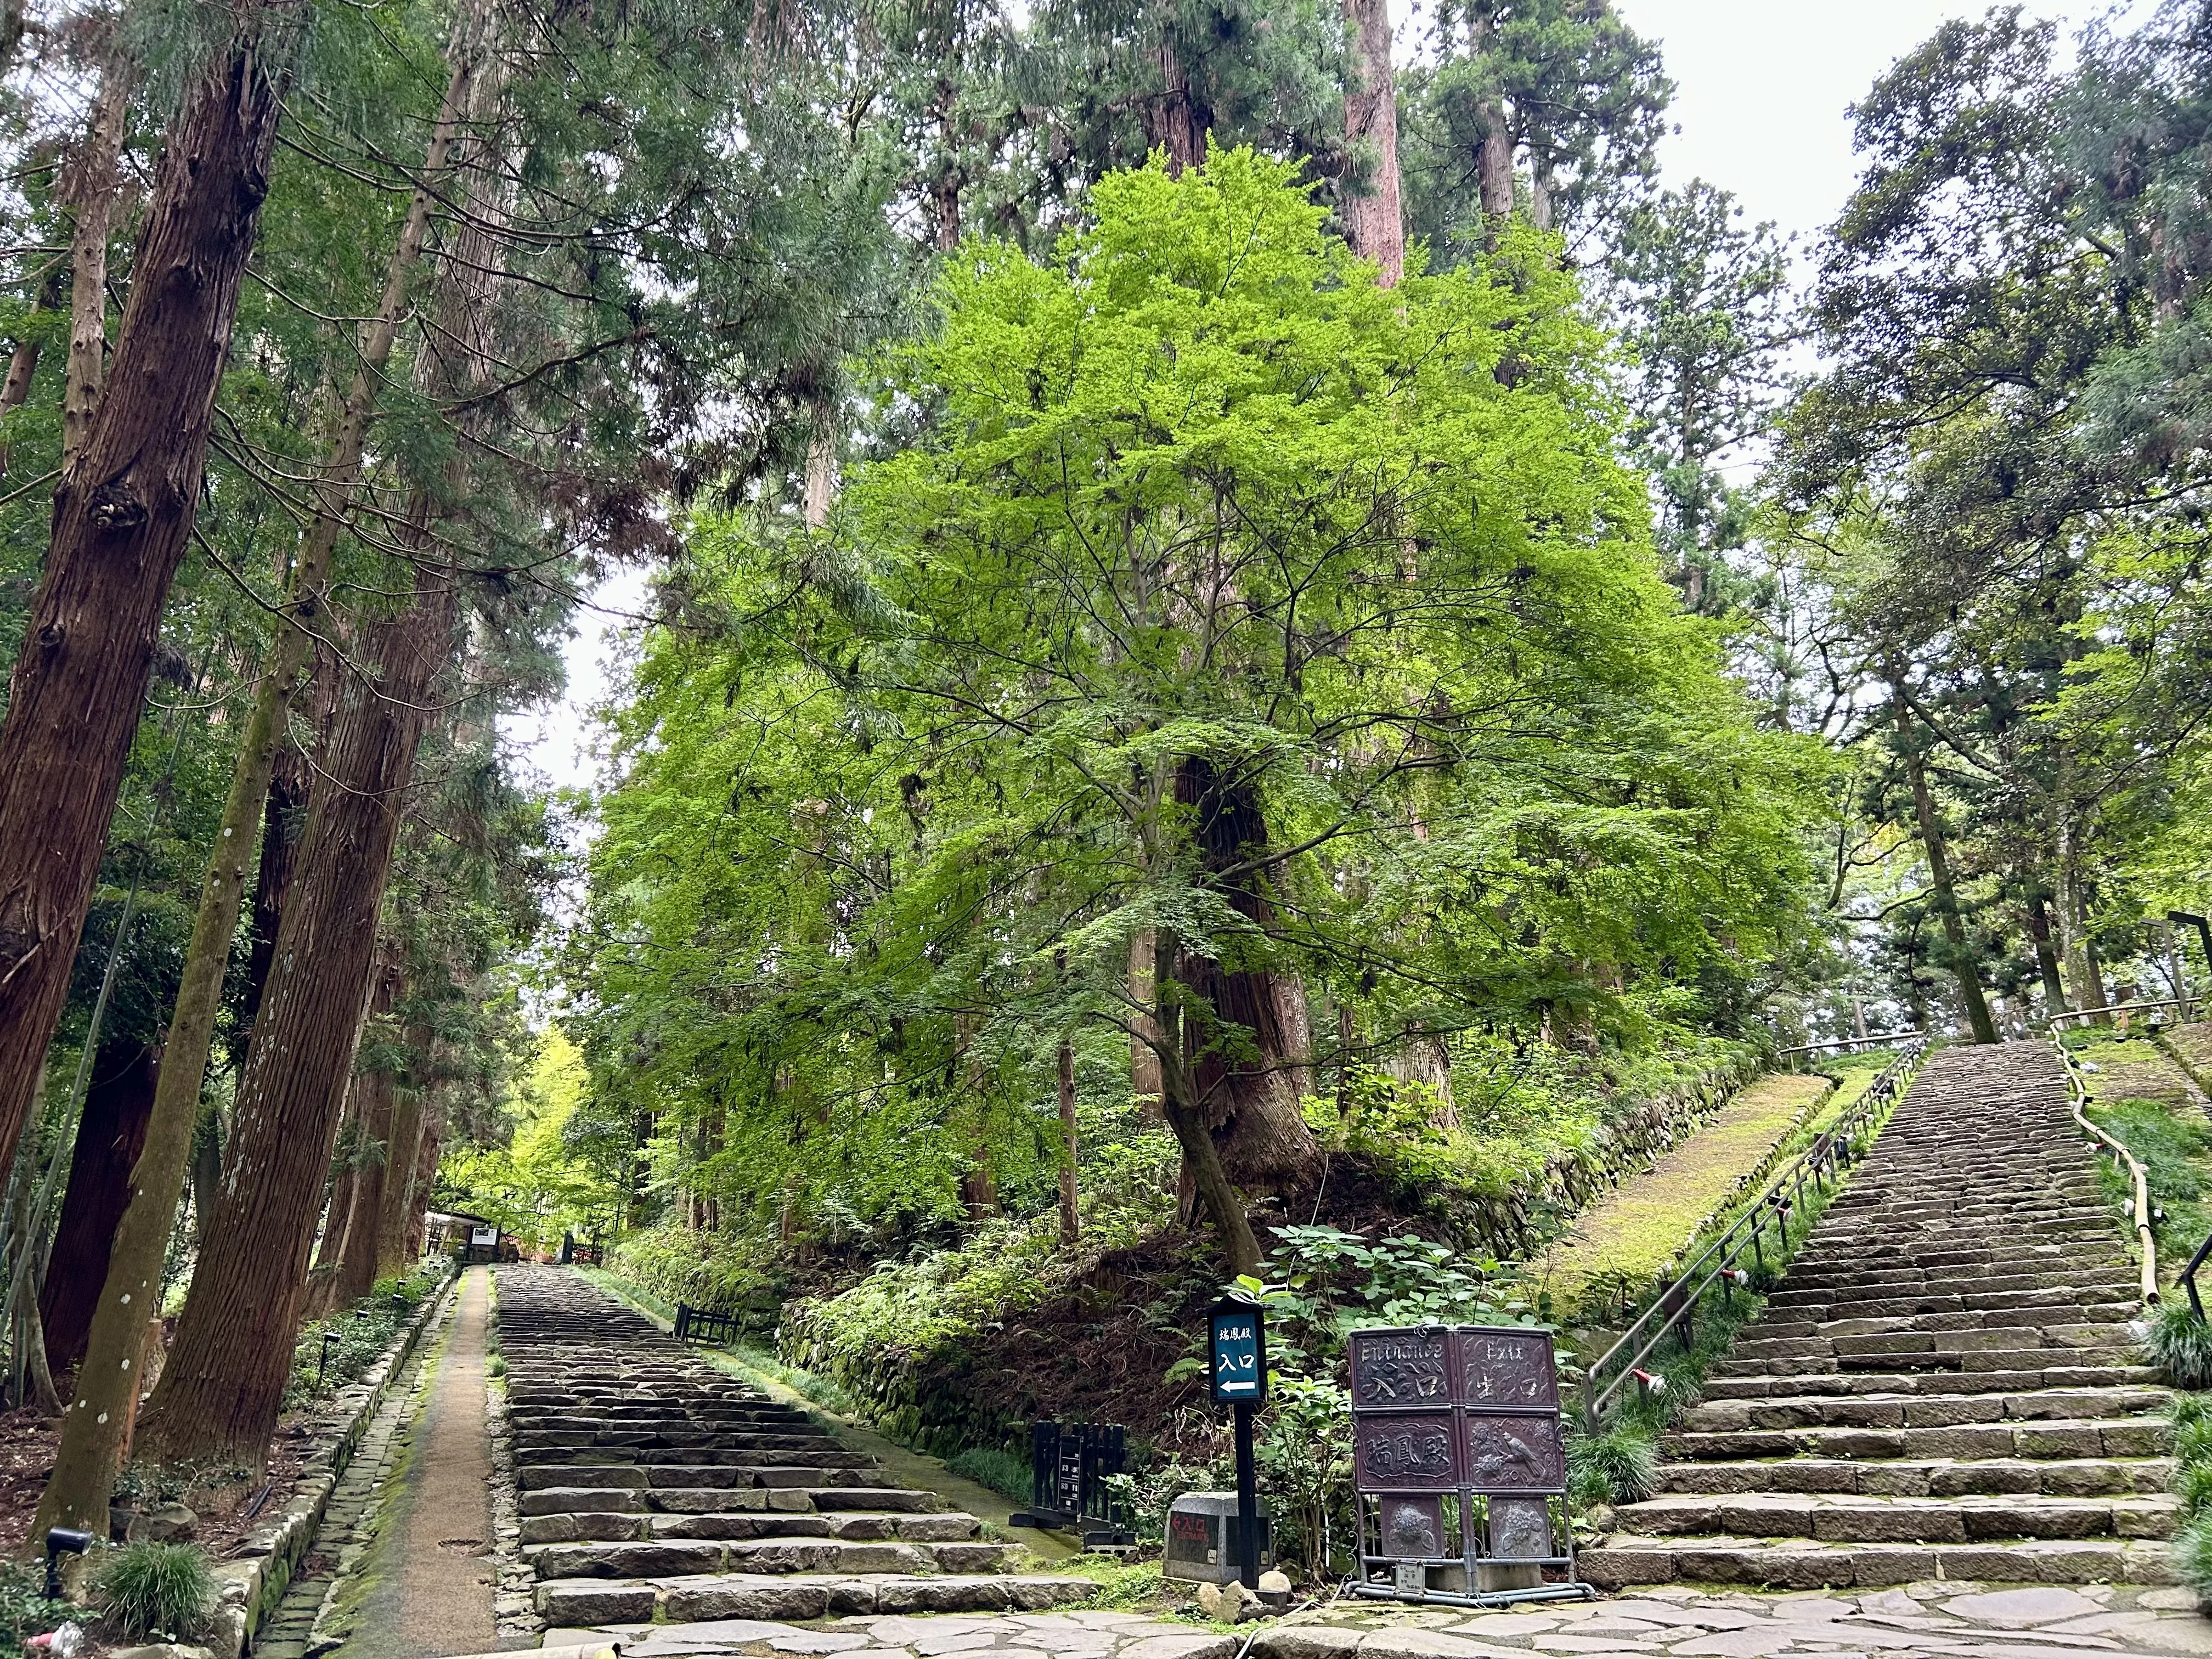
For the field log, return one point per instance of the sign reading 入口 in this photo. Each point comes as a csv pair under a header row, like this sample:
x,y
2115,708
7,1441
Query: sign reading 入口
x,y
1236,1351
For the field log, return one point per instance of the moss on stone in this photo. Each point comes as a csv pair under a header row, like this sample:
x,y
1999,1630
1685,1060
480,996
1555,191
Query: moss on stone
x,y
1625,1239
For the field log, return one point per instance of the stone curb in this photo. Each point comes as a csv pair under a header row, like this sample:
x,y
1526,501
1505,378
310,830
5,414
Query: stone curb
x,y
252,1581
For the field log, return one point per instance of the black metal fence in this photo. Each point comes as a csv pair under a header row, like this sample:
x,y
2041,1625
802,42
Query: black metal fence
x,y
699,1325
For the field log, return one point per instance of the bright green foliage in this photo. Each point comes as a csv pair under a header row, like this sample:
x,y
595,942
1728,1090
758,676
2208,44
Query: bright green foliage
x,y
1005,1472
1195,501
1619,1466
2180,1343
2174,1146
149,1591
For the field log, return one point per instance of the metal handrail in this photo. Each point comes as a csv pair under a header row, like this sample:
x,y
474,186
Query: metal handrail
x,y
2077,1097
1880,1040
1675,1310
2058,1022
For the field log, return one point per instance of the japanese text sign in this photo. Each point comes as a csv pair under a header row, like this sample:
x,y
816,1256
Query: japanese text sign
x,y
1236,1354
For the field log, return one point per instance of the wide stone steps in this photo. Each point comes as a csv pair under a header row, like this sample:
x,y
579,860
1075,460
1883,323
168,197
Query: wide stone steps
x,y
1946,1384
1930,1477
650,1484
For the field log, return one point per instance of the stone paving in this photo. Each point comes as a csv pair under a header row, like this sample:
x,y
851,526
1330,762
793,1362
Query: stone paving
x,y
1953,1620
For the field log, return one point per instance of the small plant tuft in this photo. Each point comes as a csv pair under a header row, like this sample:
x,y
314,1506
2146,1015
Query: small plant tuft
x,y
1620,1466
2181,1344
146,1590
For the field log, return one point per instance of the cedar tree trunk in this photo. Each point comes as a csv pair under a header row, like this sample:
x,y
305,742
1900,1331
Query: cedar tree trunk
x,y
1375,222
220,1393
122,514
1186,1116
1246,1061
1939,875
117,1107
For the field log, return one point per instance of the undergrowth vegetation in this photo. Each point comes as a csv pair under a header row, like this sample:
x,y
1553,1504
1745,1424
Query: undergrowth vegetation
x,y
144,1590
2174,1146
358,1336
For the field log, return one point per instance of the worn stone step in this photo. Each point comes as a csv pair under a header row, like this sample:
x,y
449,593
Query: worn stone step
x,y
1858,1518
1626,1560
851,1525
798,1597
1783,1384
2054,1437
672,1557
1921,1411
1938,1477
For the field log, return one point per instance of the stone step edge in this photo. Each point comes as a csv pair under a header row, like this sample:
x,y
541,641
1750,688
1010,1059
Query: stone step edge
x,y
695,1599
1624,1560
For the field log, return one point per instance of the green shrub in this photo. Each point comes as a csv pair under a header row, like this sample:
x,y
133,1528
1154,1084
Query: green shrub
x,y
2192,1555
1620,1466
1001,1470
24,1610
359,1335
2192,1483
724,1273
146,1590
2180,1343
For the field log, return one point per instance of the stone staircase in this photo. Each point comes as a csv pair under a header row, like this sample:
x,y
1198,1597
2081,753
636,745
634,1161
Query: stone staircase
x,y
1945,1384
651,1484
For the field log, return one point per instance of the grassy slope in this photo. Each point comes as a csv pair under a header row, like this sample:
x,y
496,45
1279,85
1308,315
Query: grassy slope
x,y
1631,1236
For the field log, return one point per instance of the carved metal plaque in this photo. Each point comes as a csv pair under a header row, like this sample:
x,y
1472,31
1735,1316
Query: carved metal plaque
x,y
1506,1368
1408,1451
1403,1369
1413,1526
1520,1529
1514,1453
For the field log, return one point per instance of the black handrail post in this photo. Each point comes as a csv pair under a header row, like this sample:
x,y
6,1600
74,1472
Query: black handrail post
x,y
2189,1275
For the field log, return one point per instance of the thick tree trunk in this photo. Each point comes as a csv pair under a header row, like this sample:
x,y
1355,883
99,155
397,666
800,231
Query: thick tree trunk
x,y
426,1181
122,514
225,1379
76,1495
1175,121
1186,1116
283,821
117,1108
400,1190
1373,221
1425,1059
2046,954
1247,1069
1493,160
357,1261
1963,964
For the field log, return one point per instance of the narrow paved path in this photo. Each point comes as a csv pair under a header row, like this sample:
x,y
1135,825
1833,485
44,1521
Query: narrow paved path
x,y
424,1585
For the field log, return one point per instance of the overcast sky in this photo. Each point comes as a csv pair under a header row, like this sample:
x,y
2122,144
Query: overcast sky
x,y
1760,90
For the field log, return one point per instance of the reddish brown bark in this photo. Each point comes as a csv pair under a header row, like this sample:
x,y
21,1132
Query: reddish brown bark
x,y
1175,120
1247,1070
1374,222
117,1104
372,1169
225,1378
122,514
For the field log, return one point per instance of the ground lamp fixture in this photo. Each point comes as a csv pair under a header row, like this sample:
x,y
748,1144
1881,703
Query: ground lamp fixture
x,y
1237,1365
60,1542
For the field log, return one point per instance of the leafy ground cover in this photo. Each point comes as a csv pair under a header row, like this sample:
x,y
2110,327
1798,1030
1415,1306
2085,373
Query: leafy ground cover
x,y
2129,1067
2174,1146
1622,1243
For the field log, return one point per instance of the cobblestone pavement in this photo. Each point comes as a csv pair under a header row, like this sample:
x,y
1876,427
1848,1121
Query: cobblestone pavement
x,y
1957,1621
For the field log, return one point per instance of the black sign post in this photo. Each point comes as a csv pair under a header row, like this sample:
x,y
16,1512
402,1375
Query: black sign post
x,y
1236,1361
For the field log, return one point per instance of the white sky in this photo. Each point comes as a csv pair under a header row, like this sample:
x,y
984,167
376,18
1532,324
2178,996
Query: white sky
x,y
1761,87
1760,90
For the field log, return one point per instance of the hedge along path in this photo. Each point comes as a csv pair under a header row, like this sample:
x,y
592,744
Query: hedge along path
x,y
1625,1239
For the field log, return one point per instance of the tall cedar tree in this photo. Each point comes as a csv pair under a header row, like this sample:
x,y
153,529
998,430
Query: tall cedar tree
x,y
121,515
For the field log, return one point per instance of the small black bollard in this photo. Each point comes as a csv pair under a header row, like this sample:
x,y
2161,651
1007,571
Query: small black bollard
x,y
323,1364
61,1540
